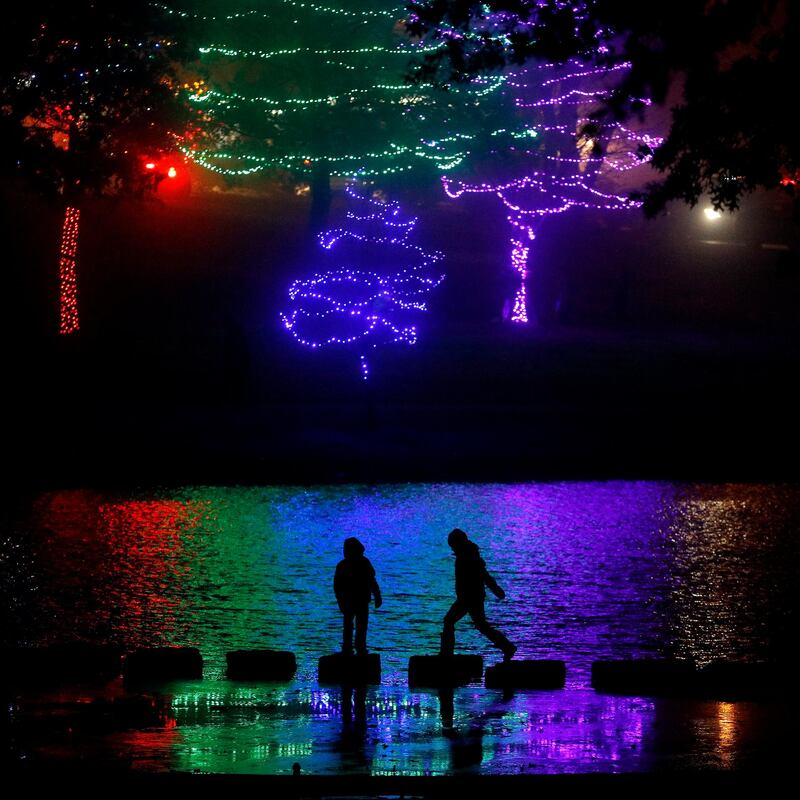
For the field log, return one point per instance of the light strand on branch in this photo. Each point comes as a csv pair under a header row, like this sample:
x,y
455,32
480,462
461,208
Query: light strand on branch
x,y
319,8
550,90
374,289
233,52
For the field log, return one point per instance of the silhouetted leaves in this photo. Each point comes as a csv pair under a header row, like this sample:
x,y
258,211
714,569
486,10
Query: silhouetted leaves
x,y
727,69
89,92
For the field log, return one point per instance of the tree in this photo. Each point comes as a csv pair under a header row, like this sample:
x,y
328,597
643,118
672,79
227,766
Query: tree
x,y
370,285
732,65
89,105
570,160
314,92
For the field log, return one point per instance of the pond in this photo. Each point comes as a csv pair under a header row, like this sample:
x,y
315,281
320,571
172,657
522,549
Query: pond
x,y
591,571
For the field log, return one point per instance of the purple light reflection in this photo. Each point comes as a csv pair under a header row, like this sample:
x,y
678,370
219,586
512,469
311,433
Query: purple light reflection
x,y
591,571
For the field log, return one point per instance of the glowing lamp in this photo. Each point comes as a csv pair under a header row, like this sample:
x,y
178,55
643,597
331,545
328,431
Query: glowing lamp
x,y
172,172
711,214
150,165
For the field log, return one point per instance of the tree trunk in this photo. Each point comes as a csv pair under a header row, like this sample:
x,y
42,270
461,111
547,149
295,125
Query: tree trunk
x,y
69,321
520,251
320,195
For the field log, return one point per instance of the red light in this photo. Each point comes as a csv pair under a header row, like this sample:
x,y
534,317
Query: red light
x,y
172,172
306,161
150,165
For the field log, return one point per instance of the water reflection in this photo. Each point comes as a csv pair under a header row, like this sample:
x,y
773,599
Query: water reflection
x,y
733,563
591,571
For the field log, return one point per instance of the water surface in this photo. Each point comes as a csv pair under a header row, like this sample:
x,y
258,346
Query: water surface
x,y
591,571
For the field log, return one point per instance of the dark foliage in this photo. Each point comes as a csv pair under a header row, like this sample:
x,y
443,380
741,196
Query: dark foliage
x,y
88,93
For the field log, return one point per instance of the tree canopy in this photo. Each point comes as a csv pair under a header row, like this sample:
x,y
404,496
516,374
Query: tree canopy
x,y
297,86
89,92
726,69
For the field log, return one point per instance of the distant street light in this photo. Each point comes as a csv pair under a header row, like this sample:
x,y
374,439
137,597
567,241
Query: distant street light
x,y
712,214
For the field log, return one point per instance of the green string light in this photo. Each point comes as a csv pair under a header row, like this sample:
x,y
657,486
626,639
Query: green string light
x,y
426,150
234,52
316,7
332,99
376,107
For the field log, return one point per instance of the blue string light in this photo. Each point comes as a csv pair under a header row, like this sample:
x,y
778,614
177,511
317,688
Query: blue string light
x,y
355,303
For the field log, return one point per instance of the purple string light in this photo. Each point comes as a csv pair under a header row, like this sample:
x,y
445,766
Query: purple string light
x,y
551,90
355,304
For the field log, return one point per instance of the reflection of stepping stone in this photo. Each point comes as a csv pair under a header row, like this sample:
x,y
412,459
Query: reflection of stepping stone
x,y
444,671
350,670
645,676
544,674
163,664
261,665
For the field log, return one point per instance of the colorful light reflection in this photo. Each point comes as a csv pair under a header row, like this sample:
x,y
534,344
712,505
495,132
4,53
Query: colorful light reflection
x,y
592,571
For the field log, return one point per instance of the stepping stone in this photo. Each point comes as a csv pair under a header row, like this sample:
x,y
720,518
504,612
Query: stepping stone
x,y
76,662
645,677
542,674
261,665
444,671
732,680
163,664
350,670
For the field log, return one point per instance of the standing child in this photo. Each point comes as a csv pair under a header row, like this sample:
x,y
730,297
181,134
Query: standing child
x,y
354,584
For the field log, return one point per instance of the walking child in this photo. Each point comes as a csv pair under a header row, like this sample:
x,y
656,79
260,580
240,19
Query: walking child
x,y
471,578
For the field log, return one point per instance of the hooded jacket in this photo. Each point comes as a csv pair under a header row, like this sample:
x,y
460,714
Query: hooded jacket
x,y
471,574
354,580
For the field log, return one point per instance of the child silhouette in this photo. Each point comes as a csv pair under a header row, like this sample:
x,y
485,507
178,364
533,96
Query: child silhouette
x,y
471,578
354,584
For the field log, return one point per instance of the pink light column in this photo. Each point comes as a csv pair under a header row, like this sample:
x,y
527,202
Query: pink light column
x,y
67,276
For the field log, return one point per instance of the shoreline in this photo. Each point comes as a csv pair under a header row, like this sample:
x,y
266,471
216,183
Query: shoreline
x,y
624,784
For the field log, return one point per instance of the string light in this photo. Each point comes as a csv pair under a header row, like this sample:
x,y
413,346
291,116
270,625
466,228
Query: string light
x,y
542,193
367,87
68,281
435,151
519,262
504,27
341,166
234,52
319,8
228,99
350,305
350,165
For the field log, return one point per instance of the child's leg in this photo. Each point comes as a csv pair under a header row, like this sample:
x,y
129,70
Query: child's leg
x,y
454,614
498,639
347,632
362,620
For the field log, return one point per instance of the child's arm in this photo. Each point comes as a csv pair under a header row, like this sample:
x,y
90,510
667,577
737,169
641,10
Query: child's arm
x,y
337,586
492,584
376,593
